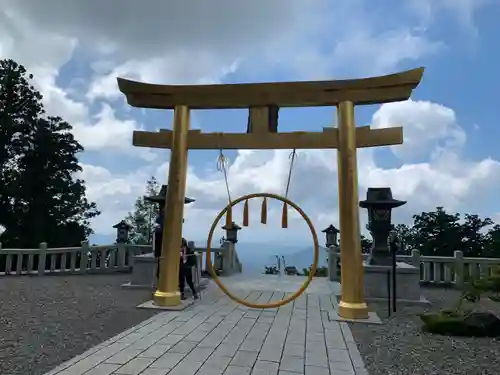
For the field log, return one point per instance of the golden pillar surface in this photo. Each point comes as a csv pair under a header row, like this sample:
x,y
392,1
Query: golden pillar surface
x,y
167,293
352,304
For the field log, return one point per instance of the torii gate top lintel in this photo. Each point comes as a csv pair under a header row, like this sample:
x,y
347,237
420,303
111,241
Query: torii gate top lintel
x,y
374,90
264,101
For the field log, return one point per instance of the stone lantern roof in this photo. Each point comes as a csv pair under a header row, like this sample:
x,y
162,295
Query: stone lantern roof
x,y
161,196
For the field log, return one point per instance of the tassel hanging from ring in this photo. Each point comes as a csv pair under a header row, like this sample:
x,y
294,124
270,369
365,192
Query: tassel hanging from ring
x,y
245,214
284,216
229,217
263,212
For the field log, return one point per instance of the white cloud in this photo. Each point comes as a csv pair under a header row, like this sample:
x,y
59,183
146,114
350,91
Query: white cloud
x,y
448,179
427,127
196,41
464,11
114,193
189,41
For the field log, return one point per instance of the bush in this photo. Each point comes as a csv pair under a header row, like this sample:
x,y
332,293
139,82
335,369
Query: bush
x,y
320,271
272,270
495,298
458,323
461,322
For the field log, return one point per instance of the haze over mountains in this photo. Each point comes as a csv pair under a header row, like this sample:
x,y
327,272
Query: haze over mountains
x,y
255,256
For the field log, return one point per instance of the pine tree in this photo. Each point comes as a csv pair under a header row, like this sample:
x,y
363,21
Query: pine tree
x,y
20,105
38,160
142,219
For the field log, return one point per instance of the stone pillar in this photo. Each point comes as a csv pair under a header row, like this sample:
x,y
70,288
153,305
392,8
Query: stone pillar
x,y
227,258
333,268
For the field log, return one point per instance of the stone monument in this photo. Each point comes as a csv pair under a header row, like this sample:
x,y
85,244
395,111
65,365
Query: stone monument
x,y
379,203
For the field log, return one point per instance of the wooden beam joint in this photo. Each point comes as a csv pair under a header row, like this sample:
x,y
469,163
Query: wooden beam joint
x,y
262,120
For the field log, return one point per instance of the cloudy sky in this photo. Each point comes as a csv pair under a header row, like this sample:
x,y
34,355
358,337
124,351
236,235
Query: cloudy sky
x,y
76,49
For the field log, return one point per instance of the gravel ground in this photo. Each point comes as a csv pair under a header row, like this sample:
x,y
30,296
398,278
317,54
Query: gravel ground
x,y
398,347
45,321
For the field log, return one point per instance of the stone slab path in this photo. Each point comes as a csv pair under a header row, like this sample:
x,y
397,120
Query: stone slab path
x,y
216,336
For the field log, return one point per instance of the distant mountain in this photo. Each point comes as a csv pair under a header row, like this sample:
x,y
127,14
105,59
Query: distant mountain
x,y
255,257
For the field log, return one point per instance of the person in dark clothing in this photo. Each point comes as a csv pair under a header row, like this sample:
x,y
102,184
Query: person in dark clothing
x,y
158,239
157,246
187,260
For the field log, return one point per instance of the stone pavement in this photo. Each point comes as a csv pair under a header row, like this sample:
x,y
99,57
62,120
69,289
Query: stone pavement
x,y
217,336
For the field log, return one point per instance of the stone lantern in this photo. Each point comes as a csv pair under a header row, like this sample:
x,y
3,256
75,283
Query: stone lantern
x,y
331,234
379,203
161,197
232,232
122,229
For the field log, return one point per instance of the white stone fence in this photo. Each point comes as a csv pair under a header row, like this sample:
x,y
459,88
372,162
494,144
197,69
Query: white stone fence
x,y
70,260
453,271
88,259
448,271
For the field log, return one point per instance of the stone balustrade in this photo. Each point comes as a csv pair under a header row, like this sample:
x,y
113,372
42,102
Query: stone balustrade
x,y
70,260
88,259
443,271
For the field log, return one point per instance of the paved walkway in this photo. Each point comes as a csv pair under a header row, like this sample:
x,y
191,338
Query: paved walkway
x,y
216,336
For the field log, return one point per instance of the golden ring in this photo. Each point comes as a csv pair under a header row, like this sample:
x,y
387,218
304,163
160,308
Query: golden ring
x,y
313,267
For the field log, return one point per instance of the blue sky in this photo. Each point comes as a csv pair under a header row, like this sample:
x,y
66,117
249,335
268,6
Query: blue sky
x,y
450,156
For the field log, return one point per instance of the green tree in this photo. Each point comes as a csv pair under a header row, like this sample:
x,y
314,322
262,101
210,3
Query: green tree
x,y
406,235
20,106
39,161
437,233
142,219
492,242
473,235
441,233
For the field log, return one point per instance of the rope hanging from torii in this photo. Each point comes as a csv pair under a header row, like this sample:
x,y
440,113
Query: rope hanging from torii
x,y
222,166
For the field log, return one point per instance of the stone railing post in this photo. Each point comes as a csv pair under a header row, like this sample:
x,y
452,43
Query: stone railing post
x,y
458,264
130,253
415,258
121,254
42,258
84,257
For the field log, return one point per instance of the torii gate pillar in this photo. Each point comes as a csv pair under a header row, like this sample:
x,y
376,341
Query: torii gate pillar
x,y
352,304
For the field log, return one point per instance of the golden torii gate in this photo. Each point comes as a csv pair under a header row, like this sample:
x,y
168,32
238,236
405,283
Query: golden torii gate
x,y
263,101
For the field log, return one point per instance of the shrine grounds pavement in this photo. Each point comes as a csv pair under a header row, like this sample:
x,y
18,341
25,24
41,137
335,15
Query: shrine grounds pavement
x,y
46,321
217,336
